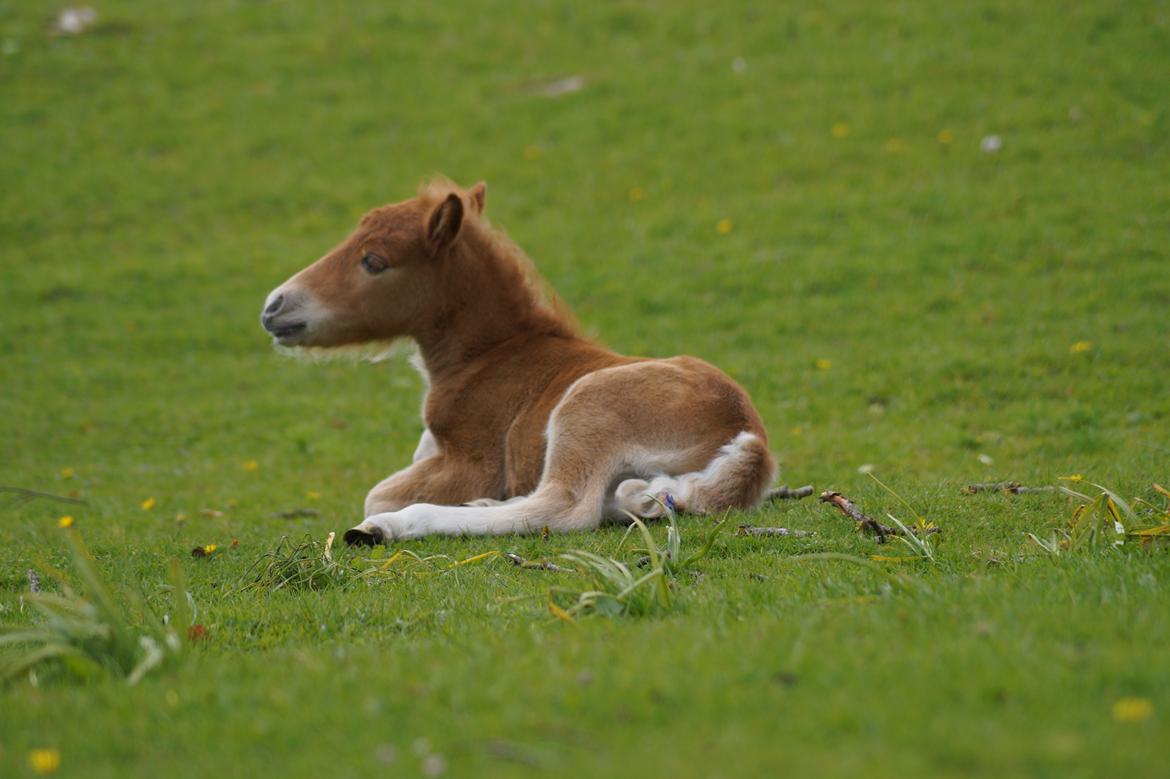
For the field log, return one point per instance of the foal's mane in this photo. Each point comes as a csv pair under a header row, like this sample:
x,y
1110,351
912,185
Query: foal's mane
x,y
527,288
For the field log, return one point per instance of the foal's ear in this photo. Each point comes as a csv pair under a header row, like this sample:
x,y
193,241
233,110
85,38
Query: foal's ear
x,y
444,222
478,194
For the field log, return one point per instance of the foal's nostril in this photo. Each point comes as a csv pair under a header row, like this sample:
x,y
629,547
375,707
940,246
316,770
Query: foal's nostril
x,y
275,305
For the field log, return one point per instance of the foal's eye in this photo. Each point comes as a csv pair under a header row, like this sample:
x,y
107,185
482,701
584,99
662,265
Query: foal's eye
x,y
374,264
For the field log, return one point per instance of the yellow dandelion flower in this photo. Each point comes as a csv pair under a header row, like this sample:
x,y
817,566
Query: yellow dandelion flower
x,y
1132,709
1080,347
723,226
251,465
181,517
210,548
1073,477
65,521
312,495
895,146
66,473
531,151
637,194
824,365
148,504
945,137
839,130
44,761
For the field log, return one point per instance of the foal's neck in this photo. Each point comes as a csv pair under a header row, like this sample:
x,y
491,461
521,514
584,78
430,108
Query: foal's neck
x,y
489,301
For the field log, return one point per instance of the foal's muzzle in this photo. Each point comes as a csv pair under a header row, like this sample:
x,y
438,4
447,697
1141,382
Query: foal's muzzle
x,y
280,317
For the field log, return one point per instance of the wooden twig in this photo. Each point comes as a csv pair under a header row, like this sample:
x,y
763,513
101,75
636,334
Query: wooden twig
x,y
30,494
1007,488
751,530
786,493
540,565
34,581
864,522
296,513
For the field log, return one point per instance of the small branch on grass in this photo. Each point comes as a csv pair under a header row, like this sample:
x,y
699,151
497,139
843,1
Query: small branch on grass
x,y
34,581
540,565
786,493
32,494
864,522
751,530
296,513
1007,488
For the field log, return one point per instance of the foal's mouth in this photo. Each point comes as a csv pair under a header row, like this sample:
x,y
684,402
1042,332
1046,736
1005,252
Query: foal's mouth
x,y
285,332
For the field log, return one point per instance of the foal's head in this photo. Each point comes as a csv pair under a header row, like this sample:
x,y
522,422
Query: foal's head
x,y
382,282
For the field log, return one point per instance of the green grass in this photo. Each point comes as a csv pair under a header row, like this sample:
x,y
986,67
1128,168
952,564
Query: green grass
x,y
887,297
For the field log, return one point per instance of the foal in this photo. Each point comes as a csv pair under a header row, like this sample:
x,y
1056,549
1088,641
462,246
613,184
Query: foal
x,y
528,423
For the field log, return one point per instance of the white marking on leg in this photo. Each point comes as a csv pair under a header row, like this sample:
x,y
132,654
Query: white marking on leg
x,y
424,519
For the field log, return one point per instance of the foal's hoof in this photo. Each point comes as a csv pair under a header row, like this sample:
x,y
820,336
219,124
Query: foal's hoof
x,y
355,536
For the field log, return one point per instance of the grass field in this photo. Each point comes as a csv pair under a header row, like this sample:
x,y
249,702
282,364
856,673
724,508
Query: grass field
x,y
802,196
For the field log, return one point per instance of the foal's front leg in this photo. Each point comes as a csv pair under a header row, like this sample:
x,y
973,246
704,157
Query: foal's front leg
x,y
435,479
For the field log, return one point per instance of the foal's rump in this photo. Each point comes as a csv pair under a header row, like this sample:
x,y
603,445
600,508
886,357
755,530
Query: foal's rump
x,y
641,432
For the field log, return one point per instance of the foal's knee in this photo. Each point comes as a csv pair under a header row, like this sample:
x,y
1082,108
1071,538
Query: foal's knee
x,y
386,496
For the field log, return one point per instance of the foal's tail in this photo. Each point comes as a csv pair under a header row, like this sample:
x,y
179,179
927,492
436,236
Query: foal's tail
x,y
738,477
